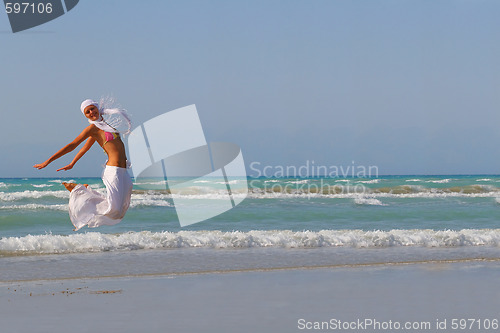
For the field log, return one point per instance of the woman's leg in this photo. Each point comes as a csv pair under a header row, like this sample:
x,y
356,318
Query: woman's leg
x,y
71,186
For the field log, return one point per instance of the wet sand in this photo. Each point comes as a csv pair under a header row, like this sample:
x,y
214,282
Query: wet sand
x,y
272,300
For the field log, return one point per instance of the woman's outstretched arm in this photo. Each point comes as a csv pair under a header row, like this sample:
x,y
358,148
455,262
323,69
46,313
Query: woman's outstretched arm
x,y
85,148
68,148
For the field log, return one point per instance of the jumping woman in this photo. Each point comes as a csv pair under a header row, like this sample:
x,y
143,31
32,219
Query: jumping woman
x,y
86,206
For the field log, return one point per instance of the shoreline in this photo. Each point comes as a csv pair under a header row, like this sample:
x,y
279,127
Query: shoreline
x,y
263,270
206,261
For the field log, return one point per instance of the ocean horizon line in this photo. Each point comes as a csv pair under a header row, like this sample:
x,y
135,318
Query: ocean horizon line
x,y
299,177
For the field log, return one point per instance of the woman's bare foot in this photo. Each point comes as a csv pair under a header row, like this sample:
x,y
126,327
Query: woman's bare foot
x,y
69,186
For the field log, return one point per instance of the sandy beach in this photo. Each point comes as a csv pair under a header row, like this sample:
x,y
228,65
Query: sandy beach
x,y
264,300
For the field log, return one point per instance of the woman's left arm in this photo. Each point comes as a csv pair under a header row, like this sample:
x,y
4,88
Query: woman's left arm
x,y
82,152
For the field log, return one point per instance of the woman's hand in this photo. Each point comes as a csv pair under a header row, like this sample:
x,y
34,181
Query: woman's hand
x,y
41,165
67,167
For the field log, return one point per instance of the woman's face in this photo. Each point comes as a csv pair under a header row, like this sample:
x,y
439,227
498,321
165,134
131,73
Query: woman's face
x,y
91,112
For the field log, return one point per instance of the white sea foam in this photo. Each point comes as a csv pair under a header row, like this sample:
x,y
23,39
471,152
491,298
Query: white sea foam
x,y
42,185
440,181
59,181
373,181
368,201
304,181
161,182
413,180
35,207
149,202
231,182
13,196
97,242
3,185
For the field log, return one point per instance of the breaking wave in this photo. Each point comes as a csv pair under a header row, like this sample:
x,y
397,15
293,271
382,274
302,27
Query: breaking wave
x,y
98,242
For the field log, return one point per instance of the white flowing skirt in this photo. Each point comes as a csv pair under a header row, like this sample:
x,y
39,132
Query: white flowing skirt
x,y
91,208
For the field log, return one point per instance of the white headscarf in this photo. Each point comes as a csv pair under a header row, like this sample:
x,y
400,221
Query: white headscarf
x,y
111,120
86,103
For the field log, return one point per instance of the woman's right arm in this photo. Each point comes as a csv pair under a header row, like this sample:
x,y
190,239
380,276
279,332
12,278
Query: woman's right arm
x,y
68,148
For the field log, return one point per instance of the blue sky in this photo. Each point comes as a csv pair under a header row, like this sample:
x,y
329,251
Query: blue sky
x,y
412,87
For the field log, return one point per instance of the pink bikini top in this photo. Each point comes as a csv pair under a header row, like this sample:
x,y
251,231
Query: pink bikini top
x,y
108,136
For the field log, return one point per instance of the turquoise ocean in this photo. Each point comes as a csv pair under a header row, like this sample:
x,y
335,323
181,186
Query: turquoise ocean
x,y
283,222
